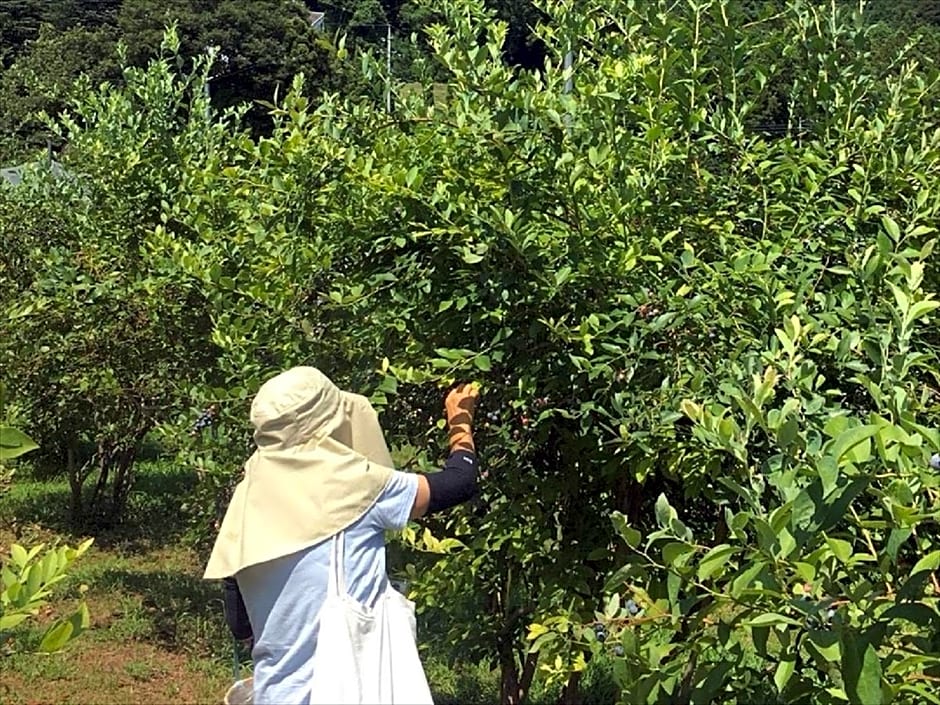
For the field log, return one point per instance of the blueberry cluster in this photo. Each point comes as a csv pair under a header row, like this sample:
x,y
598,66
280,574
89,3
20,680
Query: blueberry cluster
x,y
820,616
600,632
204,421
632,608
823,620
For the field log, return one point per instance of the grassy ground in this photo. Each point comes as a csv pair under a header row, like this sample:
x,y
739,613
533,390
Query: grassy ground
x,y
157,632
157,635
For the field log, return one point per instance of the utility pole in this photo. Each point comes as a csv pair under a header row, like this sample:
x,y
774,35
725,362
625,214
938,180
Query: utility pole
x,y
388,58
388,67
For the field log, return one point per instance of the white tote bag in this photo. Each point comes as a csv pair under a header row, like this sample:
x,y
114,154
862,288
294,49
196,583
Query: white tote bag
x,y
366,656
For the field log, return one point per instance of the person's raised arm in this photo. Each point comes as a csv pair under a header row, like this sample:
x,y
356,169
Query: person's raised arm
x,y
457,482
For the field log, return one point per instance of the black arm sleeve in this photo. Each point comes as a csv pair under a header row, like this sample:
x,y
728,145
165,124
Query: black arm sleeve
x,y
455,484
236,616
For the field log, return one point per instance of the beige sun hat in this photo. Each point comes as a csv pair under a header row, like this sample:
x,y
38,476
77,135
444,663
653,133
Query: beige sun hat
x,y
321,463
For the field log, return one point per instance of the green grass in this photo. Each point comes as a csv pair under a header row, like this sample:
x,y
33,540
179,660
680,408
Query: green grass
x,y
153,517
38,669
157,627
461,684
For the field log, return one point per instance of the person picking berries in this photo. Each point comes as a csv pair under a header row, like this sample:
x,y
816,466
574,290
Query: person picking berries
x,y
303,542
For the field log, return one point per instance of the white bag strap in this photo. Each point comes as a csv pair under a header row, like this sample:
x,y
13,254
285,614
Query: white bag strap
x,y
337,584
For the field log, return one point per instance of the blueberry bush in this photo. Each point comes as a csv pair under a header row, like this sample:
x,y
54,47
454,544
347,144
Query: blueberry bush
x,y
707,348
103,348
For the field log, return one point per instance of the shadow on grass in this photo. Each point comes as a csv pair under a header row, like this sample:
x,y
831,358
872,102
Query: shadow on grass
x,y
153,517
184,610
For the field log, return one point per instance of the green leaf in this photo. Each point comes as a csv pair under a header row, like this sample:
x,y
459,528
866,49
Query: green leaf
x,y
14,443
562,275
631,536
826,644
928,563
924,693
388,385
673,583
915,612
787,543
855,440
861,671
788,344
919,310
19,555
56,637
841,549
453,354
62,632
33,579
891,227
901,298
613,606
49,566
783,673
807,571
675,552
9,621
828,470
896,540
745,580
664,512
483,363
771,618
713,561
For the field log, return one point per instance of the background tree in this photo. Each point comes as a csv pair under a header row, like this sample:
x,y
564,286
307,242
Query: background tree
x,y
262,45
19,22
44,78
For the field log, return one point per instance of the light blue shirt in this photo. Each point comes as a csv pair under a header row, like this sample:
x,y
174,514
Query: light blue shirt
x,y
283,597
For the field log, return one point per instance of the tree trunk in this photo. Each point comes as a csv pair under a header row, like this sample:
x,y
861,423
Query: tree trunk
x,y
75,485
684,696
122,482
571,693
528,673
509,682
514,686
105,459
629,498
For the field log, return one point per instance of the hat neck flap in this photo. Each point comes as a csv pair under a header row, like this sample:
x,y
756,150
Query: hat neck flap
x,y
321,463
